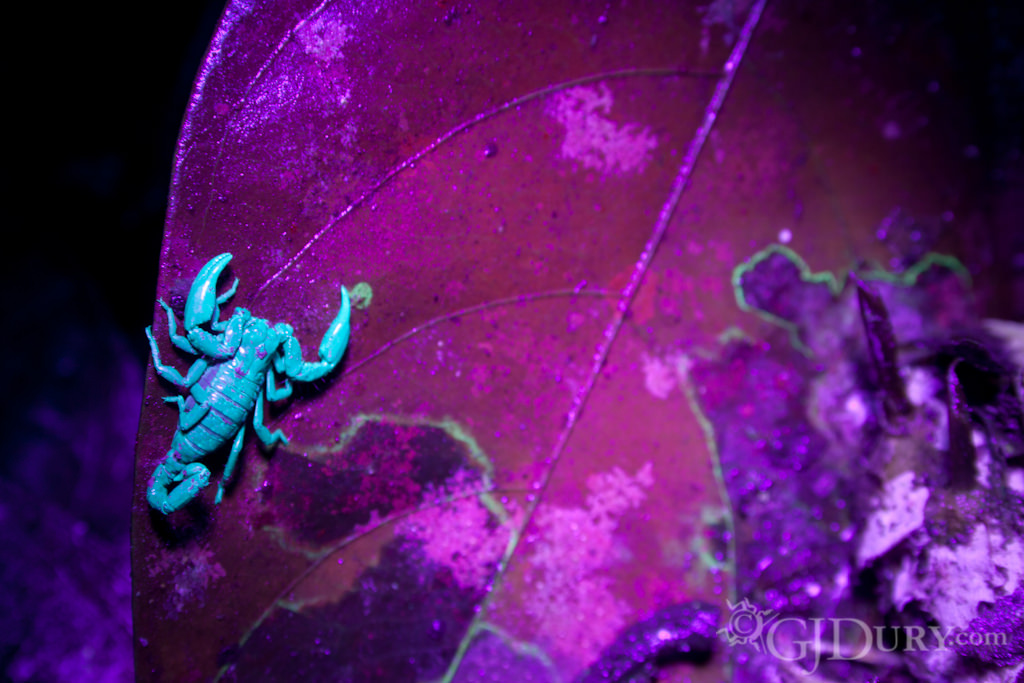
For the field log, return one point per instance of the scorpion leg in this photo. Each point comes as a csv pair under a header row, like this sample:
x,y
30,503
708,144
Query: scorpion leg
x,y
223,298
194,477
187,419
225,344
262,432
221,325
178,340
229,469
169,373
273,392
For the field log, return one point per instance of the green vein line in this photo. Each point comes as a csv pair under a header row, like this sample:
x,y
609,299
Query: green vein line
x,y
836,285
806,274
716,467
519,647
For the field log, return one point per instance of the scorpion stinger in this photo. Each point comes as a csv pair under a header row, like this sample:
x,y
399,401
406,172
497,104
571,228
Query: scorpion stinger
x,y
228,383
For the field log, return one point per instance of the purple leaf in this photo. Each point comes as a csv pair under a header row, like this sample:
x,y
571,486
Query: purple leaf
x,y
539,210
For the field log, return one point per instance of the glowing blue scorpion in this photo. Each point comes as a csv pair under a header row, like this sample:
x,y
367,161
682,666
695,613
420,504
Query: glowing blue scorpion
x,y
237,361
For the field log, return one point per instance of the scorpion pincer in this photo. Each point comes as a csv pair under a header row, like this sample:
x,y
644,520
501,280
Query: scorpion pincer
x,y
238,359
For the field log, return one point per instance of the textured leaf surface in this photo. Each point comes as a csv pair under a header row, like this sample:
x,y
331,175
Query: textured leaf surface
x,y
510,469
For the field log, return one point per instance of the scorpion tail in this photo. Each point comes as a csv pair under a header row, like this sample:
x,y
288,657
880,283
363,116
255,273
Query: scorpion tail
x,y
201,306
190,479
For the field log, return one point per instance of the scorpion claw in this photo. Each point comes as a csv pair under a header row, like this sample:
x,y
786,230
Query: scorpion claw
x,y
333,344
201,306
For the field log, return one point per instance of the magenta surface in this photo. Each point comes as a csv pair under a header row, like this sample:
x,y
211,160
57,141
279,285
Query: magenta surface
x,y
514,462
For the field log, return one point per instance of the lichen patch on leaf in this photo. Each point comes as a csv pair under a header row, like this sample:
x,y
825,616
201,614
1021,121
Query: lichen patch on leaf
x,y
463,536
573,604
193,573
384,466
595,141
659,375
324,37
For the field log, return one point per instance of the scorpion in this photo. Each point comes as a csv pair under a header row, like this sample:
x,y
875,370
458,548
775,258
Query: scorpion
x,y
238,359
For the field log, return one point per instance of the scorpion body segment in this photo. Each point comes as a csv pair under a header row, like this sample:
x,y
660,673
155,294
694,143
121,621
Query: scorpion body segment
x,y
238,359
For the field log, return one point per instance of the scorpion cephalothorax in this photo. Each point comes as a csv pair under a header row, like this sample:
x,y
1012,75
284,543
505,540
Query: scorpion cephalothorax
x,y
238,358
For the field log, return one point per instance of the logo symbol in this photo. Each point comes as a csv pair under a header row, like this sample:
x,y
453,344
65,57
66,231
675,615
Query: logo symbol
x,y
746,624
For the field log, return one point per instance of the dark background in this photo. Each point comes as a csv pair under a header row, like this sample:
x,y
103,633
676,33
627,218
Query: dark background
x,y
94,95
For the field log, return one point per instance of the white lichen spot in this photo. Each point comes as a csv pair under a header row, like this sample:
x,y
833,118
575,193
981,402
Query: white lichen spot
x,y
324,37
841,581
923,389
1008,561
1015,480
921,386
1012,335
613,493
573,605
785,236
192,573
899,512
593,140
960,578
855,410
272,97
659,376
903,582
983,461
